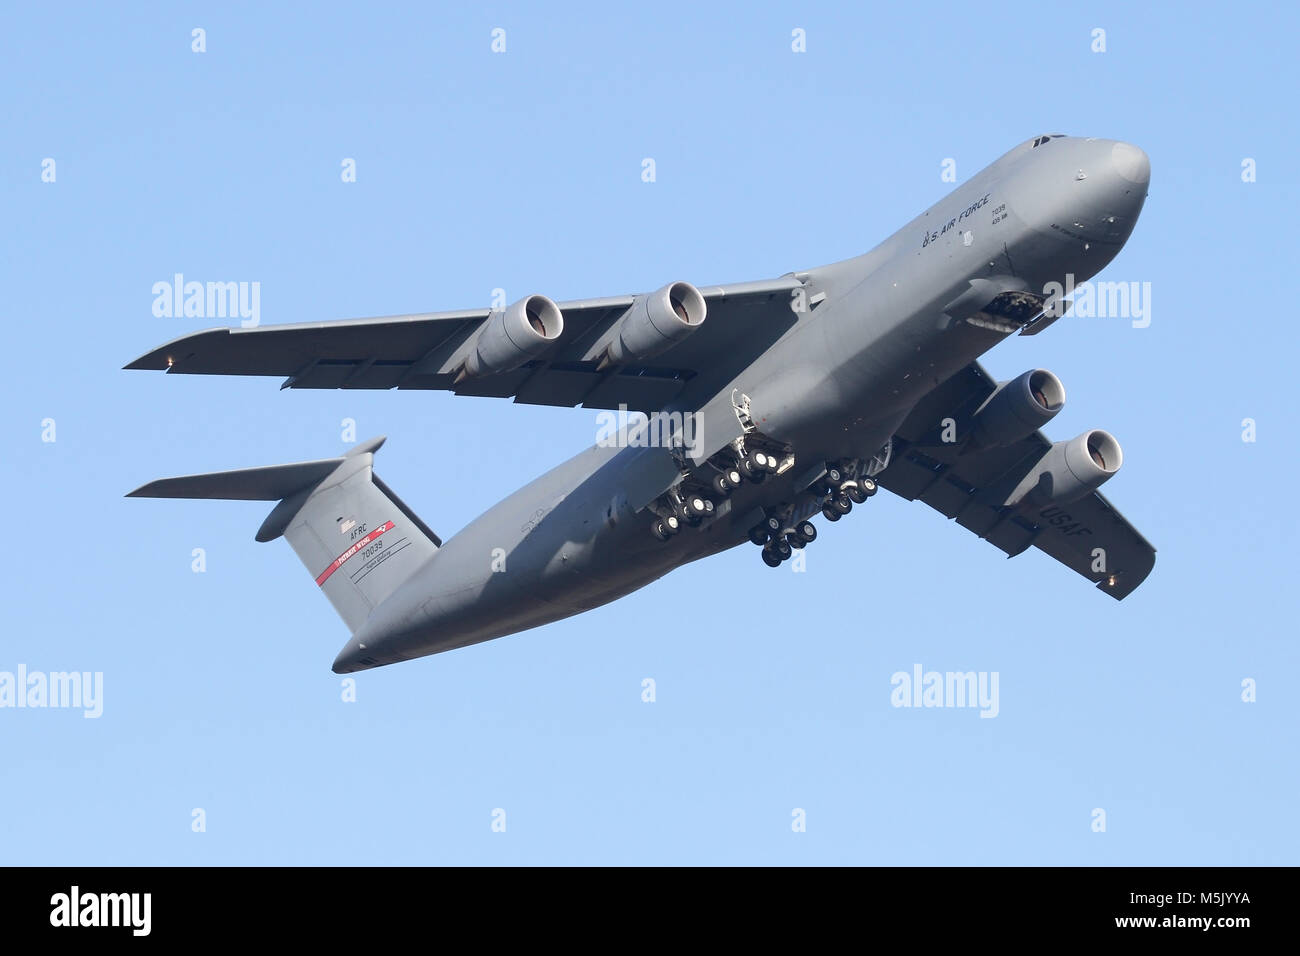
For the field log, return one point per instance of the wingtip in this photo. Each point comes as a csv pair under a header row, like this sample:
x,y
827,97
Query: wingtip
x,y
146,363
161,359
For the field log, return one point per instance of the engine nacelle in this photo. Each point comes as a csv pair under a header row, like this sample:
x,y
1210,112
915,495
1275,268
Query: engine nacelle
x,y
1017,408
656,321
1070,470
513,337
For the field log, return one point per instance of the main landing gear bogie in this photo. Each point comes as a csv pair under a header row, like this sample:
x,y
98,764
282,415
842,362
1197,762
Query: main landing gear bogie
x,y
842,486
842,491
665,527
778,541
693,502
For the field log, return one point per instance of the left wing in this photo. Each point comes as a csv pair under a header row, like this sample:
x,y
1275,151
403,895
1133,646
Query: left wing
x,y
420,351
969,486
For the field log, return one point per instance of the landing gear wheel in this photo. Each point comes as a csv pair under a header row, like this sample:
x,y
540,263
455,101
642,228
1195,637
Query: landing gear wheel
x,y
758,535
672,524
770,559
781,548
854,492
772,525
696,506
806,532
734,477
708,506
659,530
794,541
829,513
868,486
772,463
722,485
842,504
834,477
754,466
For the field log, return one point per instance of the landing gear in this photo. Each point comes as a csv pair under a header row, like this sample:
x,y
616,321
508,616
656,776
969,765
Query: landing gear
x,y
779,540
845,486
697,508
665,528
776,551
858,490
726,482
805,532
752,469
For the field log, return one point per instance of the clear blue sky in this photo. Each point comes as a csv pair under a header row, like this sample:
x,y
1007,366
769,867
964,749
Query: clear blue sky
x,y
522,170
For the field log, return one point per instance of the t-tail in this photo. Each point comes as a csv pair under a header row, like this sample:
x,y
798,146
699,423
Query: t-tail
x,y
356,538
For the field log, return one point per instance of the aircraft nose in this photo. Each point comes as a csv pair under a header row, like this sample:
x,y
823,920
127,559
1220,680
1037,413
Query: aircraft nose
x,y
1131,163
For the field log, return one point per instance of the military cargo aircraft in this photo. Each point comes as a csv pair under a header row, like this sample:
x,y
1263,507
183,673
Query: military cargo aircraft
x,y
764,404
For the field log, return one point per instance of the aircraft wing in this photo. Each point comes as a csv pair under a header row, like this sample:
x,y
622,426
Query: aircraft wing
x,y
970,487
417,352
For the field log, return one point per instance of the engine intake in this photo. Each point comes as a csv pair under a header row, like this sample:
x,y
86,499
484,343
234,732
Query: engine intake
x,y
1070,470
656,321
1017,409
514,336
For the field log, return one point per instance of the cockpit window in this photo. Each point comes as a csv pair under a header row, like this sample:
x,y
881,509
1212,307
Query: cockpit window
x,y
1040,141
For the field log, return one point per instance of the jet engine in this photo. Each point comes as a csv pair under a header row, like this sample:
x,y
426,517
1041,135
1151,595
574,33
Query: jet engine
x,y
1017,408
1070,470
656,321
514,336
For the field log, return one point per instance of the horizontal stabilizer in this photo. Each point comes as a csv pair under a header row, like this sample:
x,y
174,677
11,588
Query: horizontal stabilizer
x,y
270,483
246,484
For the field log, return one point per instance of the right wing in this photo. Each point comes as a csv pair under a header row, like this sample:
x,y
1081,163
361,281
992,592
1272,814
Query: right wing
x,y
969,486
418,351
